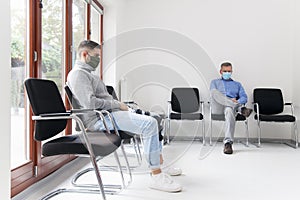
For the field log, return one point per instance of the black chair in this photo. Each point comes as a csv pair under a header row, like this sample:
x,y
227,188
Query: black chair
x,y
124,134
221,117
269,107
134,105
112,92
51,117
185,104
76,106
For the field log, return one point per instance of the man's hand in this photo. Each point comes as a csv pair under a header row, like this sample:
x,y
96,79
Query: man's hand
x,y
234,100
123,106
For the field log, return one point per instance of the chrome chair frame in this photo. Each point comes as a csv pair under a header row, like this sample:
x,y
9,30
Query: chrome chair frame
x,y
295,128
47,105
73,115
221,117
258,114
168,121
134,139
79,174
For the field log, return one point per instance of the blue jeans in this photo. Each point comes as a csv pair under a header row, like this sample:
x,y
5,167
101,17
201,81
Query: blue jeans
x,y
143,125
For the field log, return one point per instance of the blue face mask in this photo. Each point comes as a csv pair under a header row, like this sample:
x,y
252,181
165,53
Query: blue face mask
x,y
226,75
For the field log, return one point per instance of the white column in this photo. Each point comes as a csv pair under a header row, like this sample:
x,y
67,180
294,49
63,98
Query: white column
x,y
5,100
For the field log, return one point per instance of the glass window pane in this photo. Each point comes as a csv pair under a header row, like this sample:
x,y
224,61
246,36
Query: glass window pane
x,y
79,24
95,25
52,41
95,30
19,137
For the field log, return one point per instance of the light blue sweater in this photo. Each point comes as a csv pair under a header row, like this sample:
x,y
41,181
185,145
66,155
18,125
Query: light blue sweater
x,y
230,88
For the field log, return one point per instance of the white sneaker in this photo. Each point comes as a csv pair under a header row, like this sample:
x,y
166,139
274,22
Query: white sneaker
x,y
164,182
172,171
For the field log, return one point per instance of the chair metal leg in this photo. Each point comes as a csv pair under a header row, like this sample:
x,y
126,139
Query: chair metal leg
x,y
137,150
203,132
247,134
107,168
127,163
99,180
258,134
101,189
116,188
296,133
210,135
120,168
168,130
65,190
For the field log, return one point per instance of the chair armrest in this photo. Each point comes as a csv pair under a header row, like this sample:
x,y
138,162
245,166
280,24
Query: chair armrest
x,y
105,112
168,109
129,102
52,116
202,107
291,105
101,113
81,111
55,114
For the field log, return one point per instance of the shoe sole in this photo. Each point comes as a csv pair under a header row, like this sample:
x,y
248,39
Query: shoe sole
x,y
174,174
171,191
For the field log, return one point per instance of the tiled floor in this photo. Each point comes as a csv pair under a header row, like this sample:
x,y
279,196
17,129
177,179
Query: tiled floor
x,y
269,172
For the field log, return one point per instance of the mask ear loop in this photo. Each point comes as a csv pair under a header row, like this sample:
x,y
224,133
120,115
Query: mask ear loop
x,y
86,54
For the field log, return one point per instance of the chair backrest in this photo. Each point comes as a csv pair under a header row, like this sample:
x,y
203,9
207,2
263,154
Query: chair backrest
x,y
111,91
44,97
73,101
185,100
270,100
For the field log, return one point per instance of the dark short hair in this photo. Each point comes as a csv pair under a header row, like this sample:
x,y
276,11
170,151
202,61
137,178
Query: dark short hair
x,y
226,64
87,45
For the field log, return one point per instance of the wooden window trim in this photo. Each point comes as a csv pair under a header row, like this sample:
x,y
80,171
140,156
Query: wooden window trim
x,y
24,176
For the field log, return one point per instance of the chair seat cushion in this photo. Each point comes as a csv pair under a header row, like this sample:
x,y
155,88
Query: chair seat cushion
x,y
186,116
102,144
221,117
124,134
276,118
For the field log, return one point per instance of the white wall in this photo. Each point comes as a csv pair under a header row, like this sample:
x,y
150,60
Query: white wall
x,y
258,37
5,101
296,66
109,22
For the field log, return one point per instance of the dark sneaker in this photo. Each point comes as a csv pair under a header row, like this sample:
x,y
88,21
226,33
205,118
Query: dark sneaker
x,y
246,112
228,148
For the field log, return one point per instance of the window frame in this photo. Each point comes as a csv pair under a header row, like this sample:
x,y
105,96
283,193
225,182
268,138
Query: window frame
x,y
39,167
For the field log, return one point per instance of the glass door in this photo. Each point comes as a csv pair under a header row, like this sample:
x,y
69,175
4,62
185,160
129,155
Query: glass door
x,y
19,134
